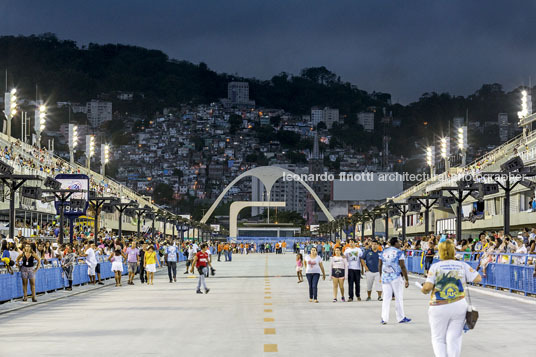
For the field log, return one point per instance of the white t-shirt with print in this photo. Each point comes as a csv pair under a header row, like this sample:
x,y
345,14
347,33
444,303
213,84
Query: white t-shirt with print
x,y
313,264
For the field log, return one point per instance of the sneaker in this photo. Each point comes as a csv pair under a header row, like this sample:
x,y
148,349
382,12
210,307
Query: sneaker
x,y
310,300
316,301
384,323
380,299
199,292
368,299
101,283
334,300
358,298
175,279
131,283
404,320
350,300
342,299
206,291
171,281
185,272
34,299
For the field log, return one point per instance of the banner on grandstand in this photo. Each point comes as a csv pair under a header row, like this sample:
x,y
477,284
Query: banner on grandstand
x,y
77,203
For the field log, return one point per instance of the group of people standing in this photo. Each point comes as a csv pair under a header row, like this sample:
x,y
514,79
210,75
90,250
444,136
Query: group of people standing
x,y
385,271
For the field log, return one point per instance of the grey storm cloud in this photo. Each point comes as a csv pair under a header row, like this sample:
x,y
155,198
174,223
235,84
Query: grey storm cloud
x,y
404,47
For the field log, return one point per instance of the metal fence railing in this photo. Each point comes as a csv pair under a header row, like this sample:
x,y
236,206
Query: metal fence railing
x,y
510,271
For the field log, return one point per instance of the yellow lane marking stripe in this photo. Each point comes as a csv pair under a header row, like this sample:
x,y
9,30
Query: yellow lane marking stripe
x,y
269,319
269,331
270,348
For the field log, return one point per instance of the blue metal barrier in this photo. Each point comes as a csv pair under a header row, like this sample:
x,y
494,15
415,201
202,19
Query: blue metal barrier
x,y
501,272
52,278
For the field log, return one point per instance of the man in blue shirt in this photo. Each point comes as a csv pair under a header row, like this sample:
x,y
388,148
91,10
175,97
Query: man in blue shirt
x,y
392,268
171,260
370,262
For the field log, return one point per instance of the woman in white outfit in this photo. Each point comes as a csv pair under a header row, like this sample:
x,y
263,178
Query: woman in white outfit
x,y
446,281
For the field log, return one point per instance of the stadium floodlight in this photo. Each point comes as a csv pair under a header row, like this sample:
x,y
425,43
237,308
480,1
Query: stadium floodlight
x,y
40,122
445,150
105,157
10,107
430,158
73,141
526,105
90,149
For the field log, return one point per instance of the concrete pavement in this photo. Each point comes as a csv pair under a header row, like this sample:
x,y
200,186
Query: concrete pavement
x,y
255,308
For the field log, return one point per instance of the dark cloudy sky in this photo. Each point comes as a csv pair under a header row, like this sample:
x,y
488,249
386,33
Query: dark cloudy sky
x,y
404,47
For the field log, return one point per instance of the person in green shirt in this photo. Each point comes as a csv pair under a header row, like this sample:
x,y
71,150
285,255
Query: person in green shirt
x,y
327,251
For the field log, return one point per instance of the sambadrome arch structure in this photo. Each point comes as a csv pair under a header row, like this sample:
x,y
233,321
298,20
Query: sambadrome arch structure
x,y
268,175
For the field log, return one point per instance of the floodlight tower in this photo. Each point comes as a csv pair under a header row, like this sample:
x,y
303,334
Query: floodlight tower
x,y
445,151
40,122
105,157
90,149
525,114
462,143
10,108
430,159
73,141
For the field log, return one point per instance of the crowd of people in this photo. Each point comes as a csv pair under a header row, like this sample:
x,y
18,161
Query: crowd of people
x,y
139,257
383,265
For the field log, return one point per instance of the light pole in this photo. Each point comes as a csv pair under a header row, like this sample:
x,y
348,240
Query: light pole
x,y
462,143
40,123
445,151
430,159
73,141
10,108
90,150
105,157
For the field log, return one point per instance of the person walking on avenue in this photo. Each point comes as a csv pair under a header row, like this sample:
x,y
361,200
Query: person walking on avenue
x,y
150,264
67,264
133,258
91,261
353,256
392,268
313,267
339,272
117,265
370,263
446,281
143,272
171,257
202,263
30,265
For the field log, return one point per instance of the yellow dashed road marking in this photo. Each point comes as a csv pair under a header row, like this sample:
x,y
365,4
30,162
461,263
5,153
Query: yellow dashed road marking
x,y
269,319
270,348
269,331
267,310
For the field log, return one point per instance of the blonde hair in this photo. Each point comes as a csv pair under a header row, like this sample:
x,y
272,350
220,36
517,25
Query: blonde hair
x,y
446,250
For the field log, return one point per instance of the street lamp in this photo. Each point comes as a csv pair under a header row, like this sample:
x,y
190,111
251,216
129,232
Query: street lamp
x,y
10,108
73,141
105,157
40,122
445,151
430,159
90,149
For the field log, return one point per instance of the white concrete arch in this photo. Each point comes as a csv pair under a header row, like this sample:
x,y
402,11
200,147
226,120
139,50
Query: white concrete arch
x,y
268,176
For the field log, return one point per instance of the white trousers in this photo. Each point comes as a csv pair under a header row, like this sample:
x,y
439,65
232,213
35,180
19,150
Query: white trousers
x,y
446,323
373,281
397,287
